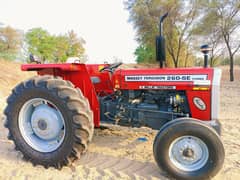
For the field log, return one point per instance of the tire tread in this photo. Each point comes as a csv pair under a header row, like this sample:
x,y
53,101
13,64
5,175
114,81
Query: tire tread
x,y
77,104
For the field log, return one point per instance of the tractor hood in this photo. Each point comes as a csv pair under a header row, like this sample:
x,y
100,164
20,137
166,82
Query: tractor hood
x,y
201,85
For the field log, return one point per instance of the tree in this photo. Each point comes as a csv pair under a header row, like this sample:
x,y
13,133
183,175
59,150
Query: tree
x,y
54,48
145,17
40,43
75,45
225,18
61,48
10,42
229,22
178,31
206,32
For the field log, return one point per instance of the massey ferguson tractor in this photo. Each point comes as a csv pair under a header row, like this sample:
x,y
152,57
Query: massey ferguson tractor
x,y
51,117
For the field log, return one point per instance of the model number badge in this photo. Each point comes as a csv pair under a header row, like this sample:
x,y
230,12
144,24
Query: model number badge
x,y
167,78
199,103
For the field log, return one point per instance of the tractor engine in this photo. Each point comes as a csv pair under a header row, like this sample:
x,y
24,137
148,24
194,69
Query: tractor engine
x,y
151,108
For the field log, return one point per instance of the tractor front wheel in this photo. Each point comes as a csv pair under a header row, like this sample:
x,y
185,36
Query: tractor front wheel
x,y
49,121
188,149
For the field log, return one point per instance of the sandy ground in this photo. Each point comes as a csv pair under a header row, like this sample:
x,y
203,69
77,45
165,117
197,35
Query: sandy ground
x,y
116,152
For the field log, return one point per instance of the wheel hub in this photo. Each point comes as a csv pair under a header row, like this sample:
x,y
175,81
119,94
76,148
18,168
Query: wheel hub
x,y
41,125
46,122
188,153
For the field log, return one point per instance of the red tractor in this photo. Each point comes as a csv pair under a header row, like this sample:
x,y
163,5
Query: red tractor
x,y
51,117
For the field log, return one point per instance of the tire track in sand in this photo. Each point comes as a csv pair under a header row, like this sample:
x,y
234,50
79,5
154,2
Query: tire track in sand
x,y
116,165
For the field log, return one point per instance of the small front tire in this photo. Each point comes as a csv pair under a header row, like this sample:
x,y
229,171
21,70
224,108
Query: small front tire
x,y
188,149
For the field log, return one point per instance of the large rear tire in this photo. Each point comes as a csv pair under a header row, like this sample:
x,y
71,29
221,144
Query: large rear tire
x,y
188,149
49,120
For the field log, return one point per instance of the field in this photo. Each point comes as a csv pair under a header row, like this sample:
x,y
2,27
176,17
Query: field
x,y
116,152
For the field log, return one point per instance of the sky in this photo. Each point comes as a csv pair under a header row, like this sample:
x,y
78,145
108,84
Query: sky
x,y
103,24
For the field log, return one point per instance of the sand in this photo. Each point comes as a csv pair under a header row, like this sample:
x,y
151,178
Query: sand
x,y
116,152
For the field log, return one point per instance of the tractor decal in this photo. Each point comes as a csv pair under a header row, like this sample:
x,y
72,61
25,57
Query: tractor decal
x,y
169,78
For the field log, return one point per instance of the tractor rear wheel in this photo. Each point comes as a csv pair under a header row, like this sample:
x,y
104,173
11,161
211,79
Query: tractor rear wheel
x,y
49,120
188,149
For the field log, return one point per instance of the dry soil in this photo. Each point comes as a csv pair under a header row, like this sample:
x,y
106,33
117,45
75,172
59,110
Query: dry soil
x,y
116,152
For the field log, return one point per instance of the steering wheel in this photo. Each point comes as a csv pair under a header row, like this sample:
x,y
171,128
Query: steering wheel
x,y
111,67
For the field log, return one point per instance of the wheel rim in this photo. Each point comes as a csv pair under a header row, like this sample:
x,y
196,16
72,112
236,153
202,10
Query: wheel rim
x,y
188,153
41,125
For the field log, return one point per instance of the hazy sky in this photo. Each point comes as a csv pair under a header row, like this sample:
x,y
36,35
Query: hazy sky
x,y
102,24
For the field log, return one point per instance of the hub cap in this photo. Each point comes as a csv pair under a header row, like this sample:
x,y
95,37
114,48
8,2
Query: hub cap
x,y
188,153
41,124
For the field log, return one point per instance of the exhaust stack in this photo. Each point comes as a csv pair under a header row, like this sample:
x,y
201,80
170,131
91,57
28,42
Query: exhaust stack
x,y
160,43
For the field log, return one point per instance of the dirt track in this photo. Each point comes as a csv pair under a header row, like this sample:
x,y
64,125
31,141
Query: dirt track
x,y
116,152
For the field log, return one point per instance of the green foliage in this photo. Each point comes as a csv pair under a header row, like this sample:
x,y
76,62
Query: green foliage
x,y
237,61
226,61
144,54
8,56
40,43
54,48
61,48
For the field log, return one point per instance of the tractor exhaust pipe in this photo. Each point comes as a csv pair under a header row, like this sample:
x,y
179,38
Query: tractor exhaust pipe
x,y
160,43
161,23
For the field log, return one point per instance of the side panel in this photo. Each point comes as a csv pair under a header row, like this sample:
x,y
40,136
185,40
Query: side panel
x,y
196,82
202,114
216,93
